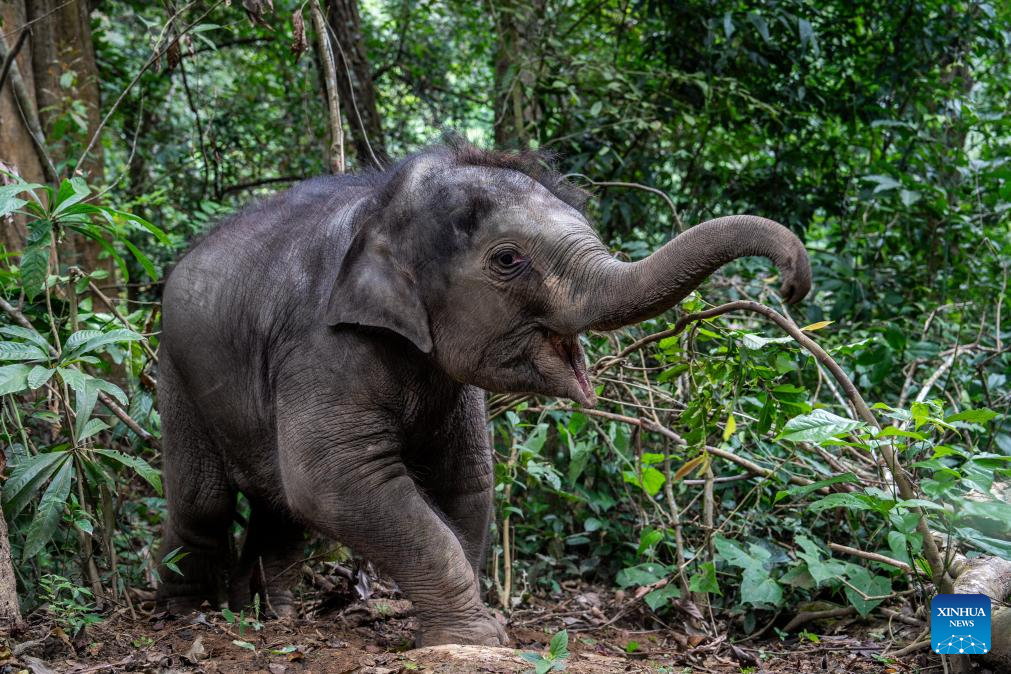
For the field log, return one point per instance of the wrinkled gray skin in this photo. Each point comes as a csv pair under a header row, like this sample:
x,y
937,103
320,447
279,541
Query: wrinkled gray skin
x,y
326,353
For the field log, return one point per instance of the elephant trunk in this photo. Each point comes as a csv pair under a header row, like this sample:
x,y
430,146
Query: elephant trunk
x,y
624,293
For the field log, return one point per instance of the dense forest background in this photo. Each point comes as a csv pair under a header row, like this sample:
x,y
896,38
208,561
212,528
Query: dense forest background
x,y
732,477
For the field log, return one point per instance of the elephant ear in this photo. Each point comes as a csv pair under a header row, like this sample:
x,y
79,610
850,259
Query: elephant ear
x,y
373,289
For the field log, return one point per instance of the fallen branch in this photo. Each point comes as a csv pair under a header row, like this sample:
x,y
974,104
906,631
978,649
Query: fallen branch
x,y
805,617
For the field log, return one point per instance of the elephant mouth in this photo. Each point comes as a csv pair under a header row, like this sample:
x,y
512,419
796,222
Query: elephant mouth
x,y
570,351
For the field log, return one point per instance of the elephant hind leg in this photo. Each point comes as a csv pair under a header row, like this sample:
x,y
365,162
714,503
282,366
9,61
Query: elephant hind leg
x,y
201,503
270,562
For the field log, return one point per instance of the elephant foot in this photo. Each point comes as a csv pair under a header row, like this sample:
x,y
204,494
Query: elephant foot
x,y
486,631
282,605
182,605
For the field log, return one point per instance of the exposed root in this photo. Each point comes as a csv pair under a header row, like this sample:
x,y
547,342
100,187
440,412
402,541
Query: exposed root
x,y
990,576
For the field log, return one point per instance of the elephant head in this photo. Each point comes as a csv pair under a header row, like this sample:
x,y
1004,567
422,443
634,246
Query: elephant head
x,y
486,262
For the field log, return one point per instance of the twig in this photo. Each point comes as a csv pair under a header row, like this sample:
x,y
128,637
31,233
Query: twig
x,y
637,186
872,556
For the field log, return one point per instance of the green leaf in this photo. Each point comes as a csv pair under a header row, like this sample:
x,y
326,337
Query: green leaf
x,y
50,510
868,583
25,479
817,426
759,589
641,574
14,378
139,465
704,580
651,480
84,344
980,416
558,649
91,428
31,335
20,351
756,342
71,192
662,596
821,571
849,501
39,375
804,490
35,257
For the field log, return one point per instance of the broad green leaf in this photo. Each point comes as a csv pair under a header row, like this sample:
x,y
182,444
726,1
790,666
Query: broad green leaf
x,y
759,589
26,477
139,465
817,426
31,335
868,583
980,416
48,516
39,375
35,257
662,596
849,501
804,490
558,649
91,428
14,378
20,351
71,192
704,580
96,342
821,571
80,337
641,574
651,480
756,342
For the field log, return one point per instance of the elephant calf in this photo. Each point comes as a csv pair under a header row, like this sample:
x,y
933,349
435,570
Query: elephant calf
x,y
326,352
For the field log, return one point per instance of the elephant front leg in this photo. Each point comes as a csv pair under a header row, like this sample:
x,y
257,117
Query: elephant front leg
x,y
457,471
363,496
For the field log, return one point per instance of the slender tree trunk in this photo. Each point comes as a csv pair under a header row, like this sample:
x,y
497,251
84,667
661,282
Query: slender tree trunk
x,y
354,81
516,113
57,66
17,151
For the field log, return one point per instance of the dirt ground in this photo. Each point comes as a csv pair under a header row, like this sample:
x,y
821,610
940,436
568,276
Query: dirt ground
x,y
607,633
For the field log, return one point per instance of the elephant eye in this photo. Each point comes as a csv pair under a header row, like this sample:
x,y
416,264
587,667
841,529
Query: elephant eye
x,y
508,262
508,258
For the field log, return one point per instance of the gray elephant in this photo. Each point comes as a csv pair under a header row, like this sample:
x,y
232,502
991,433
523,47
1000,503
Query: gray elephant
x,y
326,352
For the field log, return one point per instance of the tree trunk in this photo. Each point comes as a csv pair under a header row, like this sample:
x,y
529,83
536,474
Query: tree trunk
x,y
354,81
17,152
57,66
516,112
